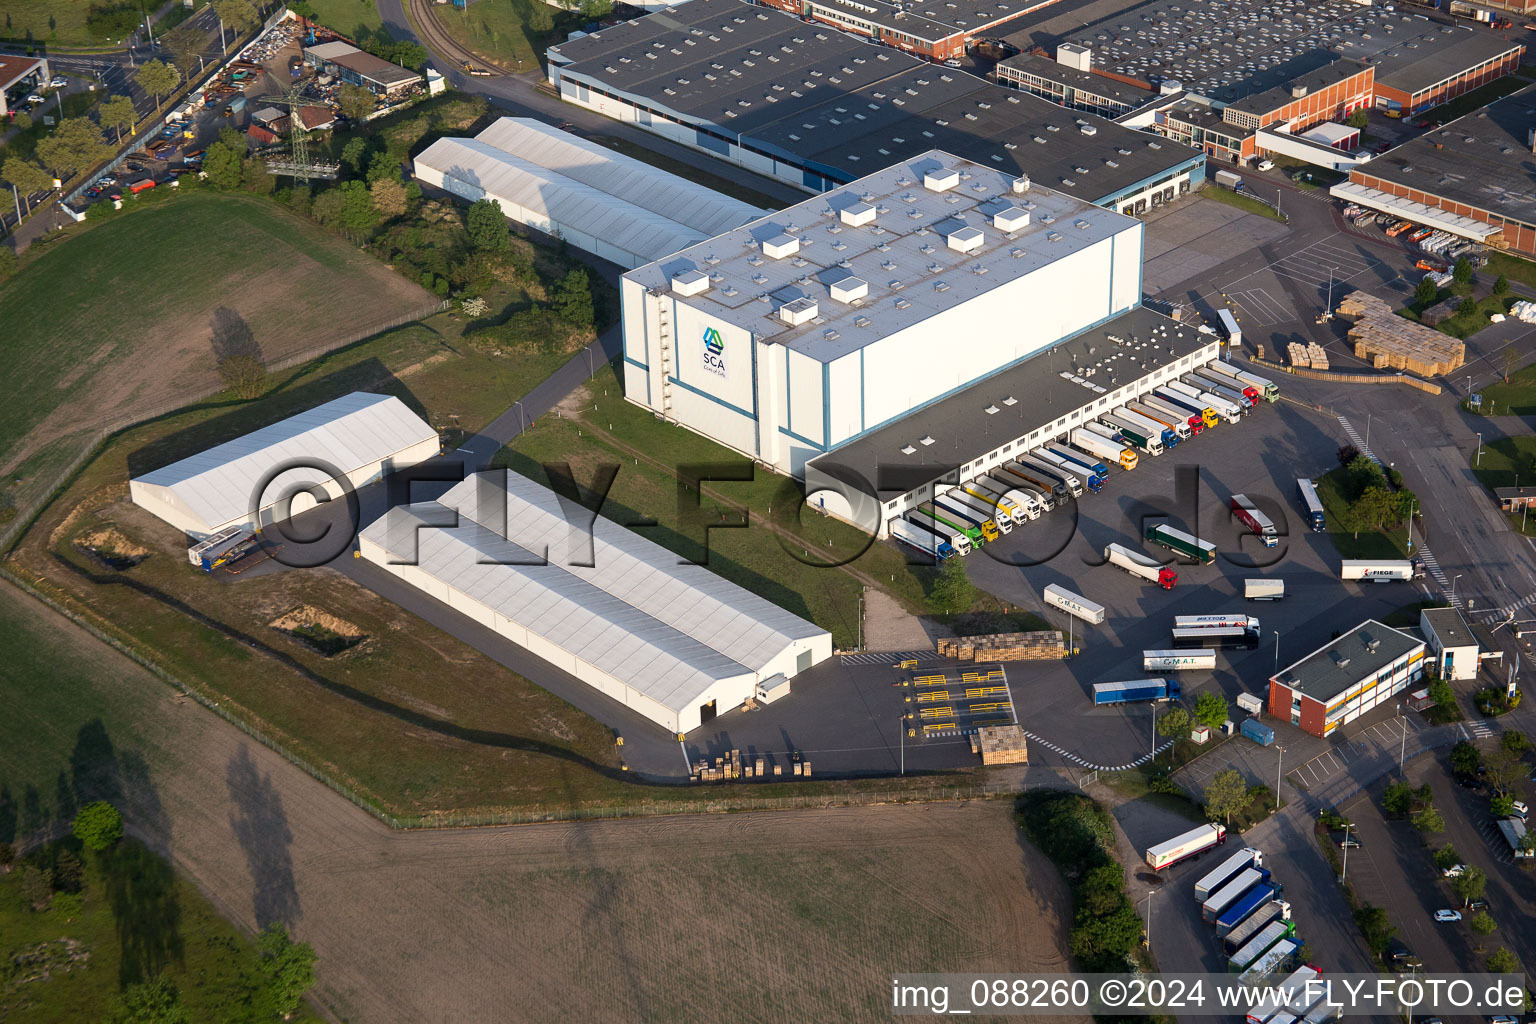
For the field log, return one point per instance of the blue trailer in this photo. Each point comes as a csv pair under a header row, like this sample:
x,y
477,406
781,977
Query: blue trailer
x,y
1257,731
1083,459
1250,901
1136,690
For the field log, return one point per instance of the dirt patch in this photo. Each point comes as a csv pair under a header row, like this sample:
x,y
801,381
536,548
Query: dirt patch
x,y
110,547
571,406
321,632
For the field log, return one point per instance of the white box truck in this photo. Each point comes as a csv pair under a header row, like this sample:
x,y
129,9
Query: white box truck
x,y
1075,604
1263,590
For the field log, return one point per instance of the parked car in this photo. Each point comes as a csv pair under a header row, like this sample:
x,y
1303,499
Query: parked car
x,y
952,63
93,192
1346,841
1446,916
57,82
1266,164
1477,904
1521,809
35,99
1454,871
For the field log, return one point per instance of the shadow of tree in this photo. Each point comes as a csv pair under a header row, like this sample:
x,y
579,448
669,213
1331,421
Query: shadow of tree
x,y
261,827
141,890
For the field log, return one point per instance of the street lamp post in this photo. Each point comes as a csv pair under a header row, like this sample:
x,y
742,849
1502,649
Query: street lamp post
x,y
1344,875
1154,730
1402,747
1149,917
1277,650
1479,449
1367,433
1279,775
1453,588
1413,508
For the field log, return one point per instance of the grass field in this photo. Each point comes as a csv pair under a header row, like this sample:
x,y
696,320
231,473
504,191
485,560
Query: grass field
x,y
778,554
355,19
1242,202
499,30
1517,397
1368,545
1509,462
57,21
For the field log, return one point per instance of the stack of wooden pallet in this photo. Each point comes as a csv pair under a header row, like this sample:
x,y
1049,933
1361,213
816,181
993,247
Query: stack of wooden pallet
x,y
1298,354
1002,744
1317,356
728,766
1389,340
1041,645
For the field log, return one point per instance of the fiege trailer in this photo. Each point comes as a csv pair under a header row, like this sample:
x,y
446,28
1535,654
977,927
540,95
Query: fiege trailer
x,y
1140,565
1073,604
1224,872
1136,690
1182,543
1190,844
1229,894
1249,515
1178,661
1380,570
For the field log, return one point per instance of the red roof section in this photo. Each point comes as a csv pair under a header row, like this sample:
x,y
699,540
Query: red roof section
x,y
12,68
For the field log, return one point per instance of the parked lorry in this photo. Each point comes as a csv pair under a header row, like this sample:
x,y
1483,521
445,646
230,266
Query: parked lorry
x,y
1244,905
1020,502
1152,438
1216,621
1181,543
226,546
1082,458
1189,844
1053,468
1267,388
1276,996
1231,180
1132,691
1255,589
1193,406
1228,321
1249,515
1036,476
927,514
1257,731
1104,448
1193,421
994,501
1221,638
1214,372
1073,604
1180,425
1230,893
1263,967
1177,661
1383,570
1259,943
1087,477
1106,431
1225,392
1038,492
1514,834
1311,504
1274,910
962,516
1227,870
1227,408
921,538
959,498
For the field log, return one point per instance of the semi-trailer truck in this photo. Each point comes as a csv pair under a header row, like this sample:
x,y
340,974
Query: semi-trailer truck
x,y
943,503
1054,471
1226,392
1244,905
1276,996
1229,894
1093,481
1262,968
1023,501
1074,604
1269,913
1141,435
1224,872
1140,565
1178,424
1134,690
1249,515
1221,638
1082,458
922,538
1177,661
1216,621
226,546
1034,476
1194,406
1229,408
1263,589
1193,421
1311,504
927,514
1104,448
958,497
1042,494
1106,431
1214,372
923,516
1267,388
1182,543
1015,515
1189,844
1147,425
1203,399
1258,944
1228,321
1381,570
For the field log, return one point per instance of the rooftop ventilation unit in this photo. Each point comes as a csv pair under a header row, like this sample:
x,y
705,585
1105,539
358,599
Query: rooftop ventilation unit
x,y
941,180
690,282
857,215
798,312
1011,219
966,239
1021,183
849,289
780,246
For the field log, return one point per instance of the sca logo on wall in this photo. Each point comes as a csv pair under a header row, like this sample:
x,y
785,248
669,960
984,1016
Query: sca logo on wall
x,y
714,352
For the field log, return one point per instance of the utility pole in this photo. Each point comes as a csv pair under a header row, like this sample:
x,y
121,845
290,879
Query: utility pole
x,y
1154,729
1277,652
1149,917
1402,746
1344,875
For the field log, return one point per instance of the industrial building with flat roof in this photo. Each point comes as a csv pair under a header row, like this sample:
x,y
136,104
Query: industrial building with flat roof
x,y
818,108
668,638
1002,417
613,206
358,67
1346,678
358,437
1068,86
936,29
1471,177
795,334
19,77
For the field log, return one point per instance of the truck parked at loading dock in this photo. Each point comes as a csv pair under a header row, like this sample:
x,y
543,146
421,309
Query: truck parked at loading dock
x,y
957,497
1011,495
1082,458
1150,437
942,522
1178,424
1202,397
1190,844
1267,388
1140,565
1136,690
1174,415
996,502
1249,515
924,540
1088,477
1380,570
1181,543
960,515
1104,448
1034,476
1071,481
1073,604
1214,372
1040,493
1193,406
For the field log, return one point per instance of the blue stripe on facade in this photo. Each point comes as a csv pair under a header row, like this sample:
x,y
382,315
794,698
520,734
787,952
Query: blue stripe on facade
x,y
802,439
718,401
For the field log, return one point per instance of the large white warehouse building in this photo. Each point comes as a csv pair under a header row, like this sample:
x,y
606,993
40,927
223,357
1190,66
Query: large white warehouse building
x,y
675,642
813,326
359,436
610,205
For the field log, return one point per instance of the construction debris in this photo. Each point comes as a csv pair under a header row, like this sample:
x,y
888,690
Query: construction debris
x,y
1389,340
1041,645
1002,744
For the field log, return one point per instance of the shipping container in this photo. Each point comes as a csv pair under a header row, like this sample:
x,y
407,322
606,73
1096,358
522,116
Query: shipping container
x,y
1257,731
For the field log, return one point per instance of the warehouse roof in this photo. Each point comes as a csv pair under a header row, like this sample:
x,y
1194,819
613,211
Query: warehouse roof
x,y
838,103
356,430
1341,664
636,182
668,628
1085,81
907,251
1280,85
930,20
375,69
563,200
1432,57
1482,160
1020,399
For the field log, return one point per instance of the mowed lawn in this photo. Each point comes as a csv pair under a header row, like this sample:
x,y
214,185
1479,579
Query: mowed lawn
x,y
61,21
356,19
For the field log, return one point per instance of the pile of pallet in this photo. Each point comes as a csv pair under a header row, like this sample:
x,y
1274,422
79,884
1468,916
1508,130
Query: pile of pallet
x,y
1002,744
1040,645
1389,340
1309,355
731,765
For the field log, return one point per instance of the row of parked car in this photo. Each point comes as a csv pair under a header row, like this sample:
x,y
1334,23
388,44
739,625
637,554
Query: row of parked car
x,y
56,82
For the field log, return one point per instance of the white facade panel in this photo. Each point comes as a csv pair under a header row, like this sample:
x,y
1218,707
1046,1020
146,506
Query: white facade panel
x,y
806,397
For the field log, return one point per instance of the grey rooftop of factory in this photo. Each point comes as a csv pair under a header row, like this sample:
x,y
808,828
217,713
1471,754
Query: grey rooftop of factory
x,y
842,270
1334,668
928,19
825,98
1016,401
1087,81
1482,159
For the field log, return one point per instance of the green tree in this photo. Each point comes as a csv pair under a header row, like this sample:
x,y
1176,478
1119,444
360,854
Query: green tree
x,y
540,20
1428,820
1102,889
383,166
243,375
408,55
596,10
1426,292
1469,885
1175,722
487,227
1441,693
184,43
1357,119
1465,760
1502,961
36,886
572,299
157,78
952,589
1226,793
238,15
1501,806
289,967
1482,924
388,197
27,176
98,825
1375,927
1515,741
1397,798
327,207
1461,273
1503,769
1211,709
254,176
156,1001
73,145
353,153
302,8
224,165
22,121
1501,285
1446,858
117,114
354,102
357,212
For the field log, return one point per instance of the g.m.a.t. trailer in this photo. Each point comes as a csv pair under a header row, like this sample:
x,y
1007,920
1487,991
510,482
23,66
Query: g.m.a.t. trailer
x,y
1181,543
1074,604
924,540
1134,691
1249,515
1189,844
1140,565
1178,661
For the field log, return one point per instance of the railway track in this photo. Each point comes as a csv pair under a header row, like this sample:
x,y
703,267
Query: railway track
x,y
444,45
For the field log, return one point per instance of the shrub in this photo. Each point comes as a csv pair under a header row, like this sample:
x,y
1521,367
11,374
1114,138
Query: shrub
x,y
98,825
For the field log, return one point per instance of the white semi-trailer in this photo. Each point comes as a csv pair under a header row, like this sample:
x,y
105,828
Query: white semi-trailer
x,y
1104,448
1023,501
1380,570
1140,565
1177,661
922,538
961,499
1003,506
1074,604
